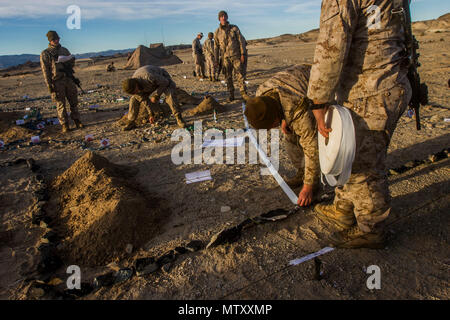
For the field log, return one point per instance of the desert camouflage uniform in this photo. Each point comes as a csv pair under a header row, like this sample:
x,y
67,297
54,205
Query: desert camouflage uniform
x,y
199,59
244,65
151,79
230,46
290,87
359,62
208,51
56,79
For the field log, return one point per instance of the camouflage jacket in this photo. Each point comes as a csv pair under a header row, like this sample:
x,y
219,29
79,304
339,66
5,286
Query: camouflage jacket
x,y
290,87
196,47
51,70
360,51
208,48
152,78
228,42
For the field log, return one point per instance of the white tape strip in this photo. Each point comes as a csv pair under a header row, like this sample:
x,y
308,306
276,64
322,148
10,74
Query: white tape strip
x,y
292,196
310,256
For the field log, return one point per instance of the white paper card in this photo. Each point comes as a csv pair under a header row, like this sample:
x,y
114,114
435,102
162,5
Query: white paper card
x,y
62,59
198,176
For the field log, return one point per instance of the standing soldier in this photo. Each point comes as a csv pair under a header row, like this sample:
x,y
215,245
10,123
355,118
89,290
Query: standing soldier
x,y
145,81
58,76
281,100
208,50
199,59
229,42
359,62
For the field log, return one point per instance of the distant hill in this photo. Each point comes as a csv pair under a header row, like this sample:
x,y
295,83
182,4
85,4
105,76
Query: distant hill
x,y
14,60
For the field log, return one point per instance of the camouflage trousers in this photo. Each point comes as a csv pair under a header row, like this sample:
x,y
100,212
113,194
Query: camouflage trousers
x,y
199,61
210,68
153,109
375,119
66,89
244,66
233,65
303,150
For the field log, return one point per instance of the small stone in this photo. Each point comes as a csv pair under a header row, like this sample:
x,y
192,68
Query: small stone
x,y
129,248
435,118
104,280
224,209
146,266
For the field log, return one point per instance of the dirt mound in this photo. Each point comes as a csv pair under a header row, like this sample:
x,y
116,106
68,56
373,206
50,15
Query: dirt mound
x,y
101,211
206,106
185,98
10,132
157,56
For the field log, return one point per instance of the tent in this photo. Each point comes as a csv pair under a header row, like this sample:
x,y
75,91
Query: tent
x,y
156,55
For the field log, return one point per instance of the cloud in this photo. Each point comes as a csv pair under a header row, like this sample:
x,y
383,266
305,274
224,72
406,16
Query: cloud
x,y
130,10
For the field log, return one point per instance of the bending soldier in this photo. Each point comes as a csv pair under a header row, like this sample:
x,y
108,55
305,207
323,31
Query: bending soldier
x,y
146,81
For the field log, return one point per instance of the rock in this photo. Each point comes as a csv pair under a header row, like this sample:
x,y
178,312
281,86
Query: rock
x,y
435,118
38,289
181,250
104,280
145,266
166,258
84,290
51,235
123,275
224,209
129,248
195,245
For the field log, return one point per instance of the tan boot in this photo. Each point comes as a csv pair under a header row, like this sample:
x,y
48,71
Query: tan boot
x,y
340,215
354,238
296,181
130,125
78,124
65,128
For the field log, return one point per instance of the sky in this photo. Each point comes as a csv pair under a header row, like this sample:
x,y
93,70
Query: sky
x,y
119,24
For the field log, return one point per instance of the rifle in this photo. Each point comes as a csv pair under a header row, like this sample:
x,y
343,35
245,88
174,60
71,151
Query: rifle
x,y
419,90
68,70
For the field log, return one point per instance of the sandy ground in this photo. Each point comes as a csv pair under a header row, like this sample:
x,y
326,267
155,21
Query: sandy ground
x,y
414,265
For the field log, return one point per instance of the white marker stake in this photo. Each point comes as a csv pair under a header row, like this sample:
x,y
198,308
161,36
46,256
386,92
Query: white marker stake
x,y
2,144
310,256
292,196
89,137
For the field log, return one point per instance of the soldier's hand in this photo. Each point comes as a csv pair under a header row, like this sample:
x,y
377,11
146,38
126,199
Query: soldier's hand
x,y
305,196
242,59
319,114
151,120
154,99
284,127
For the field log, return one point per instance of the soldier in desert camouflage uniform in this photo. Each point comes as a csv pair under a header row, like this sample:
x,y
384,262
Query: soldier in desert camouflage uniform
x,y
359,62
282,100
145,81
208,51
60,86
230,46
199,59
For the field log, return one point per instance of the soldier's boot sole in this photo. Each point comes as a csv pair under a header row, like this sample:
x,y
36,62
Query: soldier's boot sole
x,y
328,213
79,125
351,239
